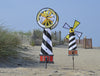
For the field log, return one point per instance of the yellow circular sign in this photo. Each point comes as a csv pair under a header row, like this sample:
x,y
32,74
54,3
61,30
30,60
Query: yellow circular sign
x,y
47,18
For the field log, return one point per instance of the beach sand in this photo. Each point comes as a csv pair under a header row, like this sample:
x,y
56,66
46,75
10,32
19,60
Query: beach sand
x,y
87,63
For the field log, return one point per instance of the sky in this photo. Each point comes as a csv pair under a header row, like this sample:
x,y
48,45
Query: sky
x,y
20,15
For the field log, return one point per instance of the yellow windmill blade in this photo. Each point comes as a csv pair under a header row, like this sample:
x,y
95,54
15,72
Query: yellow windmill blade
x,y
44,21
43,15
50,21
50,17
67,37
76,23
47,12
50,13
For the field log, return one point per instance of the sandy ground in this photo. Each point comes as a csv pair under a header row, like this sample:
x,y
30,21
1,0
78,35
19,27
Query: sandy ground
x,y
87,63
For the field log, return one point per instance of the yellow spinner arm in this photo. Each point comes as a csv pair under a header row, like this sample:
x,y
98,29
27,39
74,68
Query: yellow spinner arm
x,y
76,23
67,37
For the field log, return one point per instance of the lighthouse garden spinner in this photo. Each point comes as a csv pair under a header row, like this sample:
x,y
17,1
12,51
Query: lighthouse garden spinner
x,y
48,19
72,46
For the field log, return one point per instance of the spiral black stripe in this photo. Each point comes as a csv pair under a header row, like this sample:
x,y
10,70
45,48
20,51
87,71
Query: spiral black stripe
x,y
47,34
47,45
43,51
72,39
74,48
72,45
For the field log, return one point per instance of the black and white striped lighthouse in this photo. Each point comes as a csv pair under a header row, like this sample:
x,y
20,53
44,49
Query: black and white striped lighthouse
x,y
72,46
48,19
46,47
72,49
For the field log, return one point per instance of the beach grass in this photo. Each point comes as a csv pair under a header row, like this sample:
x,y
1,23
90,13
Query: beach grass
x,y
8,42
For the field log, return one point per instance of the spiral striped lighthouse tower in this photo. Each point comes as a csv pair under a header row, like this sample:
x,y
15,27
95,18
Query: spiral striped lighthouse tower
x,y
47,18
72,49
46,47
72,46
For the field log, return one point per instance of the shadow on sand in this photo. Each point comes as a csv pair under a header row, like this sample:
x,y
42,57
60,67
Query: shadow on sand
x,y
12,62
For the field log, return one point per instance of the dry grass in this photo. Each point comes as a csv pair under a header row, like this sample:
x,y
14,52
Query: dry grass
x,y
8,42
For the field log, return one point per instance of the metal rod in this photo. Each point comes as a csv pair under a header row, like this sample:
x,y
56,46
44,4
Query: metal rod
x,y
73,62
73,59
79,40
46,63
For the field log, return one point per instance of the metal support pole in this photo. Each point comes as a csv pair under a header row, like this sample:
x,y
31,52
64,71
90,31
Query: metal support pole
x,y
73,59
46,63
79,40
